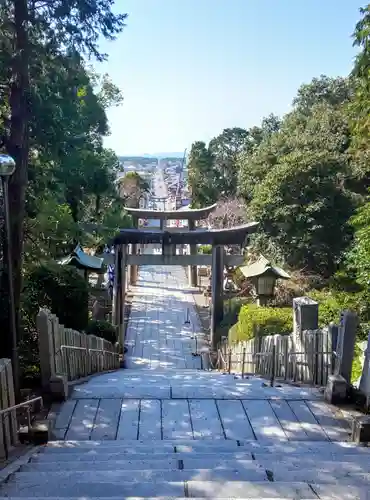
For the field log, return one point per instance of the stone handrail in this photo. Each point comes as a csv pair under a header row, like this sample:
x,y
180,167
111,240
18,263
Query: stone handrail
x,y
67,355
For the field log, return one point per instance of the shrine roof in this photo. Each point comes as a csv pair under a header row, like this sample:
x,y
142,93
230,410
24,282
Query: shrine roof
x,y
233,236
192,214
82,260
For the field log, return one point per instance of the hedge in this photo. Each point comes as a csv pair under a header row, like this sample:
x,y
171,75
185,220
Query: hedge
x,y
264,320
102,329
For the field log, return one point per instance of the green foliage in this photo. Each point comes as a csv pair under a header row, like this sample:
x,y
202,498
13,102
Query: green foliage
x,y
255,320
358,257
201,176
62,290
205,249
102,329
360,105
303,207
333,302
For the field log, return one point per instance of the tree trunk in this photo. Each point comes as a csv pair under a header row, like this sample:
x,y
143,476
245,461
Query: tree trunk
x,y
17,146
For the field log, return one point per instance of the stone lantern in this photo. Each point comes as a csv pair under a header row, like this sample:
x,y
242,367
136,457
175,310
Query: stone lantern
x,y
263,276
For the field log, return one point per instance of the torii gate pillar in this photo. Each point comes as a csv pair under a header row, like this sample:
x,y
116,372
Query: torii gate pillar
x,y
193,275
133,268
217,304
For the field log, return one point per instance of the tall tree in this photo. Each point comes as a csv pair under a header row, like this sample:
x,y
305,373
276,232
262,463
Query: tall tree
x,y
225,149
360,106
201,177
31,30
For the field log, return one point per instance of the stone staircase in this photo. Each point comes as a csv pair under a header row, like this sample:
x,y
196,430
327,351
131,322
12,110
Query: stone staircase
x,y
117,470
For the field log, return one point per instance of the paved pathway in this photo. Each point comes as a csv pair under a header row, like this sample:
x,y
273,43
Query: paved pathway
x,y
157,336
163,394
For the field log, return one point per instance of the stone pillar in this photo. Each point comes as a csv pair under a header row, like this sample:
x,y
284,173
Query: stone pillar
x,y
364,384
217,303
46,348
305,315
193,276
134,267
121,339
338,383
349,323
117,286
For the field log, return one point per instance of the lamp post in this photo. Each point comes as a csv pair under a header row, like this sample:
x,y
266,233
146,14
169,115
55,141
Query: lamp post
x,y
263,276
7,168
265,287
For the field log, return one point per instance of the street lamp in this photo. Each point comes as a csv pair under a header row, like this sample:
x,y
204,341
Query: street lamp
x,y
263,276
7,168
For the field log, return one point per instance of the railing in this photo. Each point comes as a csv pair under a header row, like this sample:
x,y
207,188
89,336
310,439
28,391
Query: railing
x,y
225,360
84,361
309,359
8,435
226,364
67,352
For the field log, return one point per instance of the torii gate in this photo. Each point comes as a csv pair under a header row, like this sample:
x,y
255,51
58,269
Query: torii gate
x,y
218,238
191,215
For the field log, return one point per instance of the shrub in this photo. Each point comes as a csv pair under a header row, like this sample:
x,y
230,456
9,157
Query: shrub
x,y
102,329
205,249
262,320
62,290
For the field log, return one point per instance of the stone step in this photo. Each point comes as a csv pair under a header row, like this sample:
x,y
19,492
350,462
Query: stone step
x,y
332,463
283,446
146,446
214,445
206,458
193,489
350,463
250,473
106,457
285,450
141,498
192,390
138,464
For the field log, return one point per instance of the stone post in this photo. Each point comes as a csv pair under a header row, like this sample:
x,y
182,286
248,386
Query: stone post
x,y
305,315
46,348
51,382
193,277
349,321
134,267
338,383
364,384
217,303
117,286
121,339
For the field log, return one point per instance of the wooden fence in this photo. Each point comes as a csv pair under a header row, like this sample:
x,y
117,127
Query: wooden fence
x,y
308,359
64,351
8,422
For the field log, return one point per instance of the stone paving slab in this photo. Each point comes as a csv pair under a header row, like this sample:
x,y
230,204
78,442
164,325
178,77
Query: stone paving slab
x,y
197,418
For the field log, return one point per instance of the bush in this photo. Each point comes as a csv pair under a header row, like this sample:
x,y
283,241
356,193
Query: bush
x,y
102,329
62,290
262,320
205,249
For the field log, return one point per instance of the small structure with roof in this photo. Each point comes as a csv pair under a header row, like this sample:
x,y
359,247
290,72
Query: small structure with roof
x,y
83,261
263,275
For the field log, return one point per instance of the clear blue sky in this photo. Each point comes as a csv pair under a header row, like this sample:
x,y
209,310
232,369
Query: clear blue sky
x,y
190,68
